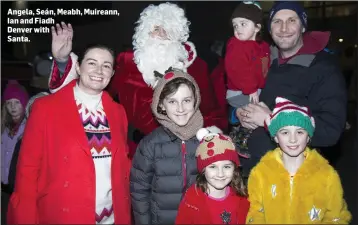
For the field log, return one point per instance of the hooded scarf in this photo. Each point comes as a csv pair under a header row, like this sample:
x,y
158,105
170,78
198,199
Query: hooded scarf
x,y
195,122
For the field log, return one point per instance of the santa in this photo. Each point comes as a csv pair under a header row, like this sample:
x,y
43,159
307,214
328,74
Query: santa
x,y
160,41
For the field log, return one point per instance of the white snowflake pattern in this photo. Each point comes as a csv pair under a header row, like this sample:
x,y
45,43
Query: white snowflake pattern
x,y
314,213
273,191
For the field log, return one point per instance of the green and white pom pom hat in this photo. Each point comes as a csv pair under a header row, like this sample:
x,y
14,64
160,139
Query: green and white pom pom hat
x,y
286,113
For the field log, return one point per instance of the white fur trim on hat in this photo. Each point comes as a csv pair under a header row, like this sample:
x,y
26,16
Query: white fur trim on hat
x,y
191,51
72,74
288,113
207,131
253,3
285,105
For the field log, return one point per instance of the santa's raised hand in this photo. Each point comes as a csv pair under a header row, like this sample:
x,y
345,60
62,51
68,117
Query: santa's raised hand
x,y
61,41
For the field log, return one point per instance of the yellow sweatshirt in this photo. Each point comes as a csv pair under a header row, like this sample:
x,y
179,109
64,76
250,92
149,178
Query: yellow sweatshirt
x,y
313,195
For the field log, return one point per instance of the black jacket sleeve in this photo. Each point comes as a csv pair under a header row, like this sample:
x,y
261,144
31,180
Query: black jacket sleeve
x,y
141,177
328,101
12,171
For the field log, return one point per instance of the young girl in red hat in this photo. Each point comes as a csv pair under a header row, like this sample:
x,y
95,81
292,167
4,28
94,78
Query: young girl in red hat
x,y
219,195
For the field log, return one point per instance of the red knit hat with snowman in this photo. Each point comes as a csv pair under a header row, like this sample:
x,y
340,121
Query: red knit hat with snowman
x,y
214,146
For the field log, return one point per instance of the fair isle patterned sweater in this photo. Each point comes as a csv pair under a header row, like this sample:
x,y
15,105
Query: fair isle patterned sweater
x,y
98,133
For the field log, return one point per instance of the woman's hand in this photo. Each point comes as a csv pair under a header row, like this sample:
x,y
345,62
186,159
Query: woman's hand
x,y
61,41
241,113
255,114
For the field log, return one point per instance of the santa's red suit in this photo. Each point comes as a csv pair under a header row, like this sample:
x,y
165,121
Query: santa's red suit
x,y
135,95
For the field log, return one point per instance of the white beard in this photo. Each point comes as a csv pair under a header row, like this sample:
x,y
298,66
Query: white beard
x,y
159,55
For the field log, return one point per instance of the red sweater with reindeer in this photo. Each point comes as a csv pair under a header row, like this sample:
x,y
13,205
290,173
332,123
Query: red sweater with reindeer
x,y
246,65
198,208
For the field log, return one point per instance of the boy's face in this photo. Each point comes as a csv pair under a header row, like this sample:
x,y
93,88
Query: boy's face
x,y
292,140
244,29
179,106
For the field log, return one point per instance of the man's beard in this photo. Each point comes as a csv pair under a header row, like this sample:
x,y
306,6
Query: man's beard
x,y
159,55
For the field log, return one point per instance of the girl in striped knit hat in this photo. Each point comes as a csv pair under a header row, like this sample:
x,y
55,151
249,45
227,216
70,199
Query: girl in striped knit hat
x,y
293,183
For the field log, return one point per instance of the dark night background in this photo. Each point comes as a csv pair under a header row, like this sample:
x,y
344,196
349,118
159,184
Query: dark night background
x,y
210,21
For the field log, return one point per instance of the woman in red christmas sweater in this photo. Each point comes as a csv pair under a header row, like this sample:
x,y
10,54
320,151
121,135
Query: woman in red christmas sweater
x,y
219,195
247,57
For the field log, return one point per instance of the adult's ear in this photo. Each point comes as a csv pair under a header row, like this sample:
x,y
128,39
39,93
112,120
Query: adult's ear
x,y
77,67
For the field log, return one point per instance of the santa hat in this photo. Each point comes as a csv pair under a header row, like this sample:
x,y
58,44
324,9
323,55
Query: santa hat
x,y
286,113
250,10
15,90
213,147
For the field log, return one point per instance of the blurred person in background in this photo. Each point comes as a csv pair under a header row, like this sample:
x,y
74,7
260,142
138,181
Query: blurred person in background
x,y
13,120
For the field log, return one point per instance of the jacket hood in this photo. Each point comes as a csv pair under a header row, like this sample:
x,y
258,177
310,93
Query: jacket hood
x,y
314,41
195,122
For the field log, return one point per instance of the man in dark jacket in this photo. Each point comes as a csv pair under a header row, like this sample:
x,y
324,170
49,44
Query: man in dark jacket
x,y
301,71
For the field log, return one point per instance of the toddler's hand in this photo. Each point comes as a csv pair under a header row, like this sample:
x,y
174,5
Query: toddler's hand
x,y
254,97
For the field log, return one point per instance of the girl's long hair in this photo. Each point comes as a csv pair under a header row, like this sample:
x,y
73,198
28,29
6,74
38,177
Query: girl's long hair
x,y
5,118
7,122
236,183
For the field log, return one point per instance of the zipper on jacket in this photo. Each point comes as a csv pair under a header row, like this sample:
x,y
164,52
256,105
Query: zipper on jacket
x,y
291,190
183,151
291,186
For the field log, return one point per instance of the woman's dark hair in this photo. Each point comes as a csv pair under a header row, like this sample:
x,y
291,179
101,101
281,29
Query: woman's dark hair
x,y
237,183
172,87
82,55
